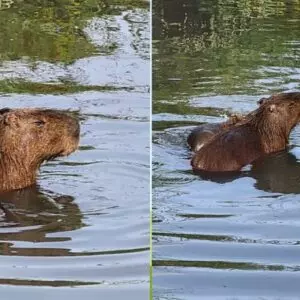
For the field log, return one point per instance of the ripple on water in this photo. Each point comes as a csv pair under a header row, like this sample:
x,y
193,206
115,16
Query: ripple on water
x,y
86,224
86,219
223,237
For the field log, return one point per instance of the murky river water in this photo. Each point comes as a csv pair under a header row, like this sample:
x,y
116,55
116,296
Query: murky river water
x,y
86,225
223,238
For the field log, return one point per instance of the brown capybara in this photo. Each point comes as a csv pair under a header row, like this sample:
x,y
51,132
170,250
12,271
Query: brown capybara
x,y
205,132
29,137
267,130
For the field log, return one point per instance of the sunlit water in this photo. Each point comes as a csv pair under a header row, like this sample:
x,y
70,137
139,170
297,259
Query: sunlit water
x,y
227,237
86,226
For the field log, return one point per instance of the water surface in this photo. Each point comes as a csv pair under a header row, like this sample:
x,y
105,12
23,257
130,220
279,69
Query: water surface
x,y
83,231
226,237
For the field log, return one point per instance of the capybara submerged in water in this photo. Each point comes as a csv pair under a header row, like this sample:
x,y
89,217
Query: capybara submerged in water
x,y
267,130
205,132
28,137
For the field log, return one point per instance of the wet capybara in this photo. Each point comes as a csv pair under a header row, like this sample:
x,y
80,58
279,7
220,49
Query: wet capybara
x,y
267,130
205,132
28,137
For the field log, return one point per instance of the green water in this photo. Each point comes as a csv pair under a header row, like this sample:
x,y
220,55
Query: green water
x,y
83,232
236,238
222,48
54,32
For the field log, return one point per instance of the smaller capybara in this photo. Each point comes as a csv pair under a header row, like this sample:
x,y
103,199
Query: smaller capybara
x,y
28,137
266,130
205,132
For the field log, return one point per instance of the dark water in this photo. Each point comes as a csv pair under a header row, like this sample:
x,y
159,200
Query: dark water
x,y
84,231
227,237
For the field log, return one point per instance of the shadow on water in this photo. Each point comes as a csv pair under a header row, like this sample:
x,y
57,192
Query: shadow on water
x,y
31,215
277,173
34,213
232,236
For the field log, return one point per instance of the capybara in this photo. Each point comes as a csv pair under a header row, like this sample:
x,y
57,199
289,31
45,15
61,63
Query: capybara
x,y
205,132
28,137
267,130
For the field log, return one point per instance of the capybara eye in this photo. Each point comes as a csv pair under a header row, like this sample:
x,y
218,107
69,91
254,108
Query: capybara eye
x,y
39,123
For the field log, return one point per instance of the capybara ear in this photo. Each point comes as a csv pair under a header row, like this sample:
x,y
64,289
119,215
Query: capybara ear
x,y
261,101
11,119
4,110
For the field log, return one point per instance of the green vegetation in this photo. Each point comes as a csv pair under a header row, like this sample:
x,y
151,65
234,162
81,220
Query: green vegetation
x,y
218,265
22,86
51,30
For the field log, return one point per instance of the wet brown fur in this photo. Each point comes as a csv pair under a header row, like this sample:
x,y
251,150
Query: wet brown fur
x,y
202,134
266,130
28,137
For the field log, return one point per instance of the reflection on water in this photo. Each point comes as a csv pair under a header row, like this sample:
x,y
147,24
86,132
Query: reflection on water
x,y
278,173
86,224
223,236
37,213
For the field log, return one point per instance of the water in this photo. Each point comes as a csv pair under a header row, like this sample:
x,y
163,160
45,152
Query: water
x,y
84,230
229,237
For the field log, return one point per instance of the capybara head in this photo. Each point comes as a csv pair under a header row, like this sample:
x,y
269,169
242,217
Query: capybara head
x,y
30,136
282,97
279,110
40,134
